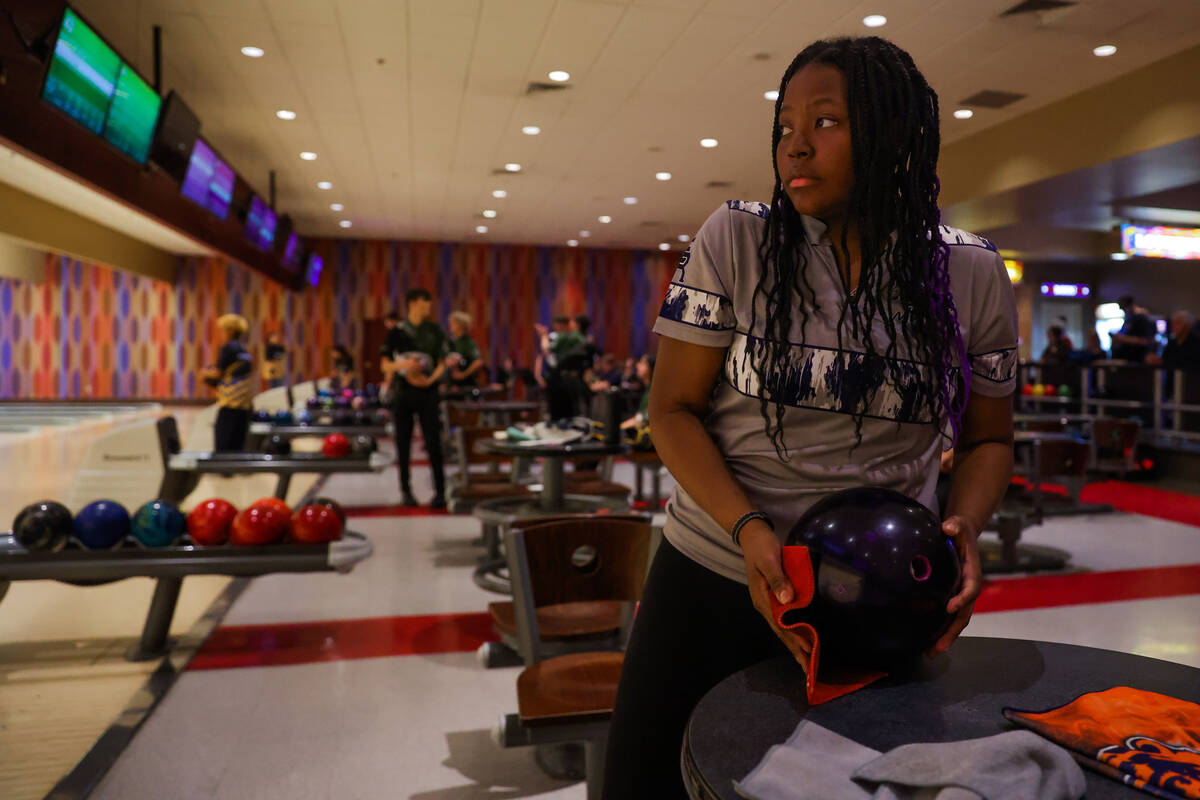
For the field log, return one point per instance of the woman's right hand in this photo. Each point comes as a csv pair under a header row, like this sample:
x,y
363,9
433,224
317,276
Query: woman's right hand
x,y
764,574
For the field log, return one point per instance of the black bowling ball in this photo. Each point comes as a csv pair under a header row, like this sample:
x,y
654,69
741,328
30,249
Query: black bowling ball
x,y
44,525
884,571
363,445
277,445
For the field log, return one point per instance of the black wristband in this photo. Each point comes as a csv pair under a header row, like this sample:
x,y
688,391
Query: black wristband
x,y
736,533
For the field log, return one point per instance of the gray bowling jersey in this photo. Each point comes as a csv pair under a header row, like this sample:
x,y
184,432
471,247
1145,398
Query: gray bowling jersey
x,y
708,303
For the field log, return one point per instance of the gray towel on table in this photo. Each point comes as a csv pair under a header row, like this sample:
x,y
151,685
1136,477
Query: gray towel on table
x,y
818,764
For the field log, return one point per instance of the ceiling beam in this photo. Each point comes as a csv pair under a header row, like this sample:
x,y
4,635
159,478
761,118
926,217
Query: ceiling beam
x,y
43,225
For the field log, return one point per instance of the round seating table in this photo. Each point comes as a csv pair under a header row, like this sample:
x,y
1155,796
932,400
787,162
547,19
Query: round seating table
x,y
958,695
497,515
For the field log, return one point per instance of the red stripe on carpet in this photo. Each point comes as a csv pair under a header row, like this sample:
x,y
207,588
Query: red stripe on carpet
x,y
1134,499
1048,591
393,511
342,639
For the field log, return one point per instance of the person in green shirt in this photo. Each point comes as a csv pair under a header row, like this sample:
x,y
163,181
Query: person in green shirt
x,y
465,361
413,358
567,353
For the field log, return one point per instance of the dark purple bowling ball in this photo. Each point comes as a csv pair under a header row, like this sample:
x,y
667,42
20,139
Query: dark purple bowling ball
x,y
313,403
884,571
44,525
102,524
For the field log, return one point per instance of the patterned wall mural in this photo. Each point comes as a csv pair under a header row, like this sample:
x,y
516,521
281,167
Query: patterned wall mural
x,y
92,331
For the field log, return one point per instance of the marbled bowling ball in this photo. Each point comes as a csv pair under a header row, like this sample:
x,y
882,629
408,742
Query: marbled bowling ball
x,y
358,403
884,572
44,525
331,503
158,524
208,523
316,523
258,525
363,445
102,524
304,418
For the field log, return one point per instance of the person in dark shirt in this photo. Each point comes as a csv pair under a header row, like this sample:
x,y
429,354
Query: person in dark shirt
x,y
231,378
274,360
1136,339
1094,350
413,358
1183,350
1057,346
343,368
465,362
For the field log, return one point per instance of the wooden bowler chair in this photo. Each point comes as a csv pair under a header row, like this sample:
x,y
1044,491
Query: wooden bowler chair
x,y
569,698
564,627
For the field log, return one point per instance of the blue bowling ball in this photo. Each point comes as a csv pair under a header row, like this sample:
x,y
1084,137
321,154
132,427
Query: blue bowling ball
x,y
262,416
283,418
158,524
304,418
102,524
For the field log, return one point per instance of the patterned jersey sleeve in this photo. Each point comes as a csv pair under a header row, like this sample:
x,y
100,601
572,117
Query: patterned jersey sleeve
x,y
697,307
992,349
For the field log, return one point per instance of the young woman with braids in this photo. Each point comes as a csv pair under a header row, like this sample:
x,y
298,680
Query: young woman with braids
x,y
838,337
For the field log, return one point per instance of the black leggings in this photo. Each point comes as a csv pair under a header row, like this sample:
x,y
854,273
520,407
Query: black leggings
x,y
424,404
229,432
693,629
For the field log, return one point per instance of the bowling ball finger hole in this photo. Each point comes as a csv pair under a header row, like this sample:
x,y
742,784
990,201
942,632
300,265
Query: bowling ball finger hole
x,y
920,568
585,560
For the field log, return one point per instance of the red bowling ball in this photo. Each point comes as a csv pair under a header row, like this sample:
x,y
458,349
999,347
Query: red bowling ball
x,y
334,504
258,525
208,523
314,524
275,503
336,445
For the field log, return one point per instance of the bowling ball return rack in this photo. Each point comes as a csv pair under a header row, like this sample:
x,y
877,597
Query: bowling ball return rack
x,y
259,431
183,469
169,566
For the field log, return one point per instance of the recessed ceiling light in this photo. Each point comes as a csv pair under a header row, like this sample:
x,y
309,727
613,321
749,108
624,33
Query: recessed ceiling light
x,y
499,194
875,20
630,201
663,176
963,113
345,223
531,130
336,206
584,234
772,95
708,142
324,185
308,156
481,228
252,51
560,75
1119,256
664,246
285,113
1104,50
489,213
512,167
572,243
683,237
605,218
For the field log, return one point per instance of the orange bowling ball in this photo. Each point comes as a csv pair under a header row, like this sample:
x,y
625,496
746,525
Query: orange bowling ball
x,y
258,525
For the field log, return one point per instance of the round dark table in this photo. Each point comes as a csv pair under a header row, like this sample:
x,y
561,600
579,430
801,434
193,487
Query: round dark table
x,y
553,457
958,695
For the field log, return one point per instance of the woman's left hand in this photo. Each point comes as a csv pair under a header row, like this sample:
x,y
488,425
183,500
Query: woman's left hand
x,y
962,605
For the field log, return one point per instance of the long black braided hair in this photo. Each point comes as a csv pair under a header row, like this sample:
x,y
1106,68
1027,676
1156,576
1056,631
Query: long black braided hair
x,y
893,204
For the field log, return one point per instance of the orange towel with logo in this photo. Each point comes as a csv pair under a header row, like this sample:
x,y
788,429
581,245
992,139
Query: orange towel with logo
x,y
1143,739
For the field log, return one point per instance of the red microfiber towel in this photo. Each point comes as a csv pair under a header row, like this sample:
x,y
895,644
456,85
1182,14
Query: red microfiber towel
x,y
821,686
1143,739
